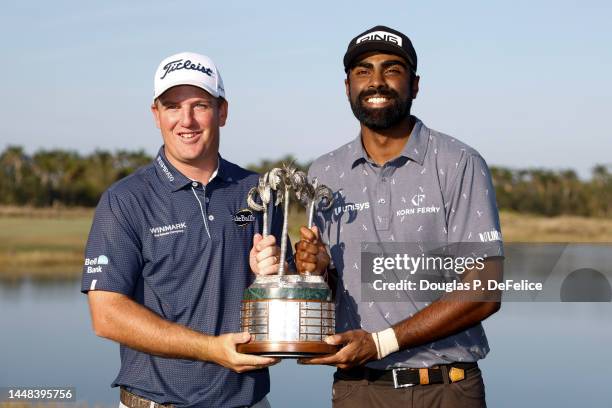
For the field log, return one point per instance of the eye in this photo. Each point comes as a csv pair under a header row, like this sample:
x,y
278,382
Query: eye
x,y
202,106
360,72
394,70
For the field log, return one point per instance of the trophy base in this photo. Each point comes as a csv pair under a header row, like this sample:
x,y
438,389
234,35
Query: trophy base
x,y
287,316
287,349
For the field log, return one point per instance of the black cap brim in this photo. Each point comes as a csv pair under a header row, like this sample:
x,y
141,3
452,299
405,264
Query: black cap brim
x,y
370,46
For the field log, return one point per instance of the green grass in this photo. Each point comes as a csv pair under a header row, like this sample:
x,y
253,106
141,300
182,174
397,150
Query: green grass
x,y
43,245
49,243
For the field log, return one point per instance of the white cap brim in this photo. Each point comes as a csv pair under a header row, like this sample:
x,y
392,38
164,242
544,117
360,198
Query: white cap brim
x,y
198,84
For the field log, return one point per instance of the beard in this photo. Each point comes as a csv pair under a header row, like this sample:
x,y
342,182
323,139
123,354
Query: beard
x,y
381,118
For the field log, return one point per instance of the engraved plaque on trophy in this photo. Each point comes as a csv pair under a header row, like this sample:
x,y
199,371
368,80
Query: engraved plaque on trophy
x,y
288,315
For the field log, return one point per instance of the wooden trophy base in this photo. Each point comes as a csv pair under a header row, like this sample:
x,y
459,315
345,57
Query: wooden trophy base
x,y
287,349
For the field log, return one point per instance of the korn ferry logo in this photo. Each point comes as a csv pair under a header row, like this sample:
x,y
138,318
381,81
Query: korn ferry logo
x,y
417,199
94,265
417,207
177,228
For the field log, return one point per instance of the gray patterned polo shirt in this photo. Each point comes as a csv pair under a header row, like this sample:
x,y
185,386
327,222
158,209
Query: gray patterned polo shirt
x,y
438,190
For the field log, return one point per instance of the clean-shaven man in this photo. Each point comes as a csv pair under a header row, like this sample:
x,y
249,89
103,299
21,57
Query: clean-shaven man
x,y
168,258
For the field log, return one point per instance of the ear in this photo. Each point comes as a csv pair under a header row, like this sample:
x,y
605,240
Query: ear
x,y
346,87
415,86
222,109
155,112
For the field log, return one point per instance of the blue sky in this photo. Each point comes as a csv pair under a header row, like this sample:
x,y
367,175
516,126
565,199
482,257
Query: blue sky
x,y
527,83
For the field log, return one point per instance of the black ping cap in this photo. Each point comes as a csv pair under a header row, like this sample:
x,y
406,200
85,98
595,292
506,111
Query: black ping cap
x,y
380,38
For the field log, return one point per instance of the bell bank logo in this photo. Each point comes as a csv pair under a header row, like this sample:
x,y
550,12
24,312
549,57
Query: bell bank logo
x,y
94,265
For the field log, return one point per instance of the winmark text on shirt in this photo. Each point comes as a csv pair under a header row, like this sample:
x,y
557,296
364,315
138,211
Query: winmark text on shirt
x,y
168,229
418,210
179,64
352,207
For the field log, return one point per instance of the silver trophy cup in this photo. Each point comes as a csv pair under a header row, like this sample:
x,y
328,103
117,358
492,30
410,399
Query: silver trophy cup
x,y
288,315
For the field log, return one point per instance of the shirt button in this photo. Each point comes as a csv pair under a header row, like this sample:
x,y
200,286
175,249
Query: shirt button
x,y
384,179
207,199
211,217
194,183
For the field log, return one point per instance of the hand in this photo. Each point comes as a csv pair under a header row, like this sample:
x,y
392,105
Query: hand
x,y
358,348
311,255
264,258
224,353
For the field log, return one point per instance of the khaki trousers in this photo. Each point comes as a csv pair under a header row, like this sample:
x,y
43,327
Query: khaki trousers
x,y
467,393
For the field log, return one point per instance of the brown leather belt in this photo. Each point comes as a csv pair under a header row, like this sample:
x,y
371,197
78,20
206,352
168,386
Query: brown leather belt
x,y
408,377
134,401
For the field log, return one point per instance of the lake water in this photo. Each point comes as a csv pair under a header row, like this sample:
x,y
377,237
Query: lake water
x,y
542,354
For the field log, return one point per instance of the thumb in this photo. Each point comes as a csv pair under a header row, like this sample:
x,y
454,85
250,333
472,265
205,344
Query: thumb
x,y
307,234
240,338
256,239
315,229
334,340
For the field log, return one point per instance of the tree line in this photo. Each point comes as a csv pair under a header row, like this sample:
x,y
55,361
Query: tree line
x,y
67,178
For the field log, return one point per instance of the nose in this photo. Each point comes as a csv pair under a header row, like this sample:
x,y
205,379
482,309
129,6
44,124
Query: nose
x,y
186,117
377,79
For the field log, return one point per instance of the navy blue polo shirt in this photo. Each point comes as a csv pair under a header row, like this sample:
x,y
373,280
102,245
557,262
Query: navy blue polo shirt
x,y
180,249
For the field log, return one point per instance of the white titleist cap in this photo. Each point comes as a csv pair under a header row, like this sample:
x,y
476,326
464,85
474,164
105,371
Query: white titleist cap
x,y
188,68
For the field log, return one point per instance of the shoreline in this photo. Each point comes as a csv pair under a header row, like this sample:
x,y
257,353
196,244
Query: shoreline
x,y
47,244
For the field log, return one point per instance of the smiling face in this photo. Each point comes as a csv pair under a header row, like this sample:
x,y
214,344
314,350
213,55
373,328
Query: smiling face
x,y
380,88
189,119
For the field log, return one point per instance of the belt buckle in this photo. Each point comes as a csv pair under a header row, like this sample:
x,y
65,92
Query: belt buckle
x,y
396,384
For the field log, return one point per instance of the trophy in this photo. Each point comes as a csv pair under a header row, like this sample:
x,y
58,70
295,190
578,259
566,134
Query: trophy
x,y
288,315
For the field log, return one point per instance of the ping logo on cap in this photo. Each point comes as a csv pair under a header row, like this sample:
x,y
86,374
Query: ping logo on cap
x,y
380,36
179,64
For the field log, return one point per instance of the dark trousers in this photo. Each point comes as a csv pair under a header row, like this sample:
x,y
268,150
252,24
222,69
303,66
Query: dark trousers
x,y
467,393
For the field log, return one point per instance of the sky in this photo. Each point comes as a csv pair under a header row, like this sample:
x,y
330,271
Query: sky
x,y
526,83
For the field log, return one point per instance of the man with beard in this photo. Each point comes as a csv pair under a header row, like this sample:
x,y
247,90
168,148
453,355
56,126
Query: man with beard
x,y
400,181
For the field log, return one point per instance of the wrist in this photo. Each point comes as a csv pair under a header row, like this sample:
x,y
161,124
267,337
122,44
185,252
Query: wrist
x,y
207,347
385,342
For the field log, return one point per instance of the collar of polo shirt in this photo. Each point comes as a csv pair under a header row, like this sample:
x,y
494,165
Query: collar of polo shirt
x,y
214,173
175,180
415,148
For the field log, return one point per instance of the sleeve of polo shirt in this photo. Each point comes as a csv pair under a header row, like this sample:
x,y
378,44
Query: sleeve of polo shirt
x,y
472,214
113,259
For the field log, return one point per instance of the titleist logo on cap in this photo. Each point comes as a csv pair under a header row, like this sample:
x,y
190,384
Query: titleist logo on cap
x,y
380,36
179,64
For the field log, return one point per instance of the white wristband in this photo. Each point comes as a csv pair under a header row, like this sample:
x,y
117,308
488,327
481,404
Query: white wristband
x,y
386,342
